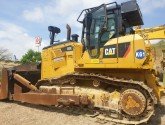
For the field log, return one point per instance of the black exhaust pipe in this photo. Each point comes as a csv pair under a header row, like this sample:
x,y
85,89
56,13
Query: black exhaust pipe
x,y
68,32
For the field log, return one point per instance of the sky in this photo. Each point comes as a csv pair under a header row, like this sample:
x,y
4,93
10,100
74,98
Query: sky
x,y
23,20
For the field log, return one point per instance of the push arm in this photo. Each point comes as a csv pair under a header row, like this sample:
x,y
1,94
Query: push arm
x,y
152,33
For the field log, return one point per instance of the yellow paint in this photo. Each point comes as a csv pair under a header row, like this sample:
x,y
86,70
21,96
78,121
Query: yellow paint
x,y
56,63
95,61
152,33
131,103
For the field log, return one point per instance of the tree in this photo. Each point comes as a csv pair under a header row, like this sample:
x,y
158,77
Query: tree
x,y
31,57
4,54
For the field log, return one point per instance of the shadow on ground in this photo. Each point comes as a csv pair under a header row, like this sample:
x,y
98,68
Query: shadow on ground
x,y
74,111
159,113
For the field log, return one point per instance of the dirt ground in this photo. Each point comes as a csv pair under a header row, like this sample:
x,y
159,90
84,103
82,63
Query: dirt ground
x,y
26,114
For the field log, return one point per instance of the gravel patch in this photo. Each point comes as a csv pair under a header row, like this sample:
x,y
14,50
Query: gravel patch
x,y
27,114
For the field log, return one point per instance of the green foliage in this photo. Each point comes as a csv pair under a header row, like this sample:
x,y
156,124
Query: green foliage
x,y
31,57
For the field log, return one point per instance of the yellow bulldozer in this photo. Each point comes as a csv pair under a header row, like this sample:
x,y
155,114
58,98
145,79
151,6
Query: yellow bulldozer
x,y
110,71
163,60
163,66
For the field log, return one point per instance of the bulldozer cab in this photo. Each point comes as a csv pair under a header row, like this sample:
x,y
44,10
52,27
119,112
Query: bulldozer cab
x,y
98,27
107,21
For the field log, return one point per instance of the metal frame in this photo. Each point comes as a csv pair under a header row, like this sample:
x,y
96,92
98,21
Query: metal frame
x,y
4,84
34,96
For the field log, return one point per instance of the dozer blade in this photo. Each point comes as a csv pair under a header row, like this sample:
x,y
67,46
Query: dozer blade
x,y
16,87
4,84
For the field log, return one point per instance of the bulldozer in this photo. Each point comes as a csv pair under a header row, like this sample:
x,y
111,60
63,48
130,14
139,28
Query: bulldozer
x,y
163,60
110,71
163,66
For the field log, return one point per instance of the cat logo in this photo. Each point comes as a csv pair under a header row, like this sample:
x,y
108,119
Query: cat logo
x,y
110,51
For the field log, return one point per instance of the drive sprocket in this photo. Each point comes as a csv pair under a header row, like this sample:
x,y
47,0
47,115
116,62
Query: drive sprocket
x,y
132,102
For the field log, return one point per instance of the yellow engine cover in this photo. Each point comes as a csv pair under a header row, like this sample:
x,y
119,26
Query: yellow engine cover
x,y
60,59
126,52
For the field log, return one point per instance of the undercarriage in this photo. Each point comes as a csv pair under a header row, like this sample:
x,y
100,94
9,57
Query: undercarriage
x,y
108,98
